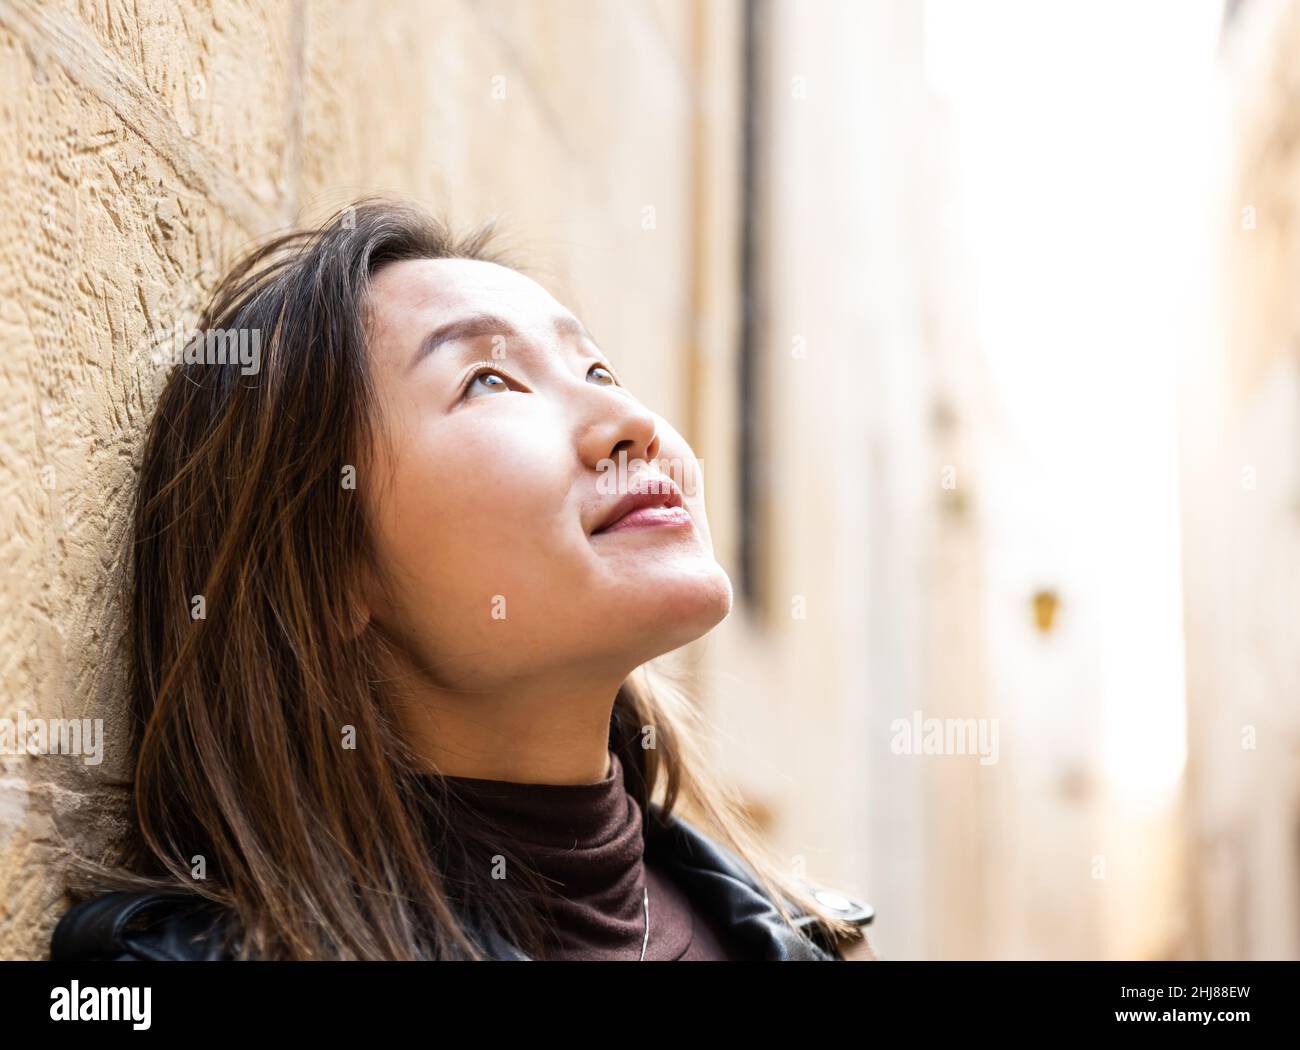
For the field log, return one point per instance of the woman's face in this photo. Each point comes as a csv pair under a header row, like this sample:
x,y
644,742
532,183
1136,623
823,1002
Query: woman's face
x,y
501,432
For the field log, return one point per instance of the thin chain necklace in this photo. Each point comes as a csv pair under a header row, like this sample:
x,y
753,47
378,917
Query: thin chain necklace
x,y
646,900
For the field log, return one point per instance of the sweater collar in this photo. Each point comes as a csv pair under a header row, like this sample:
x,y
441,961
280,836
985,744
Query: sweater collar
x,y
585,840
549,817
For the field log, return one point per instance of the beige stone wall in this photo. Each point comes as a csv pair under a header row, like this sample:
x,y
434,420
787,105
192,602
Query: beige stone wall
x,y
1241,522
143,143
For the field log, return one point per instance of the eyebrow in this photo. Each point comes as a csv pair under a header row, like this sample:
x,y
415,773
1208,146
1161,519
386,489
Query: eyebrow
x,y
481,324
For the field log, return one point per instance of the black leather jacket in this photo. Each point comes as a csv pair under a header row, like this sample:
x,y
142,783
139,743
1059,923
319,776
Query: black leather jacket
x,y
177,927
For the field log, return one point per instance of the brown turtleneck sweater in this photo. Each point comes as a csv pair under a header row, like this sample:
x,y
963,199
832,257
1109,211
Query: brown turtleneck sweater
x,y
586,840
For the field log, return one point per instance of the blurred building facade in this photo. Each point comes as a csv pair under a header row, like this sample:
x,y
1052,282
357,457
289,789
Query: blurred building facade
x,y
1241,524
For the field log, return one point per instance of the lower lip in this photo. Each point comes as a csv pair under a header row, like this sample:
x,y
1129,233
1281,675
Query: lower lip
x,y
649,518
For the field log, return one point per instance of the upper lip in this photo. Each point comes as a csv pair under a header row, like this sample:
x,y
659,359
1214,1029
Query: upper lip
x,y
660,491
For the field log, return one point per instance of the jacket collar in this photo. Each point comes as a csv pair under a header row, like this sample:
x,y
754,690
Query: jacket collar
x,y
714,878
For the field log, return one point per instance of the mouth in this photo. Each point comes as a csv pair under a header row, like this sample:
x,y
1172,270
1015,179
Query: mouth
x,y
659,504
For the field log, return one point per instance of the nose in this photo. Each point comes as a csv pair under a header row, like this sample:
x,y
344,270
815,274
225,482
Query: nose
x,y
616,425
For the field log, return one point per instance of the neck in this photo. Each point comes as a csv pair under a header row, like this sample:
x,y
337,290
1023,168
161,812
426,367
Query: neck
x,y
535,733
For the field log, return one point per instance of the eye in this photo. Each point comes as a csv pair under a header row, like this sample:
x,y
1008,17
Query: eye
x,y
494,383
606,376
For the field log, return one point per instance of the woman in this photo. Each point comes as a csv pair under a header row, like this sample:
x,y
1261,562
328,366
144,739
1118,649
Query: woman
x,y
395,590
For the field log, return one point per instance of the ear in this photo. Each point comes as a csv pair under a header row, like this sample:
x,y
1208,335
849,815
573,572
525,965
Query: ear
x,y
362,605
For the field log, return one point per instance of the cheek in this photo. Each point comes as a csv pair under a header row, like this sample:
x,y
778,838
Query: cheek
x,y
477,511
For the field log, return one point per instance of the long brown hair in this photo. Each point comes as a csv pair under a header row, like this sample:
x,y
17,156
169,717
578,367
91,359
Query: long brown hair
x,y
246,669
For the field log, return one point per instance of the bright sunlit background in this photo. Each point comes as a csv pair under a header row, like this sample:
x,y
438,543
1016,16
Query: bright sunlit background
x,y
1087,162
1053,350
1086,178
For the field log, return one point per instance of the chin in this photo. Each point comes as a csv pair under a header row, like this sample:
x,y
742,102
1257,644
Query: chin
x,y
678,611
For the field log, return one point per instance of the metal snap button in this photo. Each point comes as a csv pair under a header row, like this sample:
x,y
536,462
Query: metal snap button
x,y
834,900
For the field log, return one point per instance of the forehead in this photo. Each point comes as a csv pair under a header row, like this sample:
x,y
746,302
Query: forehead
x,y
438,290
